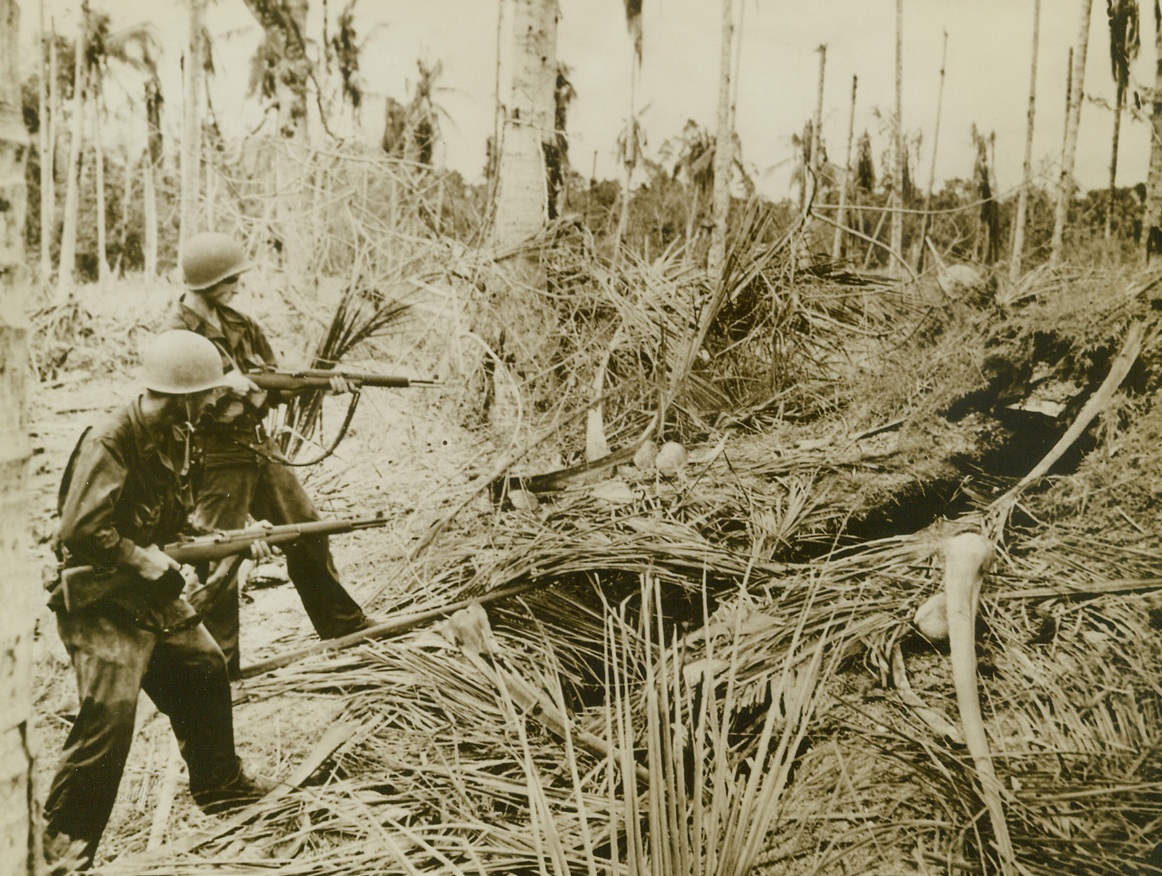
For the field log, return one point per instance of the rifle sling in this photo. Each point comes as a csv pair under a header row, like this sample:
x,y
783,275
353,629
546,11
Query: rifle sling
x,y
342,433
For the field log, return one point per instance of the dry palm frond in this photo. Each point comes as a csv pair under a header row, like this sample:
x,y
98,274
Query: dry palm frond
x,y
361,315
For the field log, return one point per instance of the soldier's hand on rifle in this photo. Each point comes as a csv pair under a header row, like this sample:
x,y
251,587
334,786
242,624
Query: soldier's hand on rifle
x,y
239,388
151,562
239,384
340,385
260,550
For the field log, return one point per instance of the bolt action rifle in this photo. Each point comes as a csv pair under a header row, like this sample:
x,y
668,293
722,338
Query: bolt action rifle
x,y
320,378
85,585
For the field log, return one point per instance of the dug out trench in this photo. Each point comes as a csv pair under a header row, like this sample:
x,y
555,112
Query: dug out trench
x,y
1010,438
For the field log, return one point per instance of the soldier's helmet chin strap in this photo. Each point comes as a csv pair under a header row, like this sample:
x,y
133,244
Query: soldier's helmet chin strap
x,y
187,434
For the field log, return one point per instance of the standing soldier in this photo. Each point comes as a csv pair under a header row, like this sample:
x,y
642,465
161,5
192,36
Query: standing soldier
x,y
245,472
119,608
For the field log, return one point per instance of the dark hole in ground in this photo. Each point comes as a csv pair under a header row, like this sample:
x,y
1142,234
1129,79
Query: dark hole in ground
x,y
1026,437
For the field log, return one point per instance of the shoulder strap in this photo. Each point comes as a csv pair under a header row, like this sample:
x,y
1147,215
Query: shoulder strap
x,y
66,482
67,477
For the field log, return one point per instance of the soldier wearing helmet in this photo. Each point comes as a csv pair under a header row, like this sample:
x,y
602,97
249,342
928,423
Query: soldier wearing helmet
x,y
120,614
245,472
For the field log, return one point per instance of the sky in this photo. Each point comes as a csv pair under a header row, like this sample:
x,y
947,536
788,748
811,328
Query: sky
x,y
986,83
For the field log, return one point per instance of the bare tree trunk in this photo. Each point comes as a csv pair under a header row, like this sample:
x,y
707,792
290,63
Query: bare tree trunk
x,y
691,217
1119,102
68,253
149,211
118,266
191,155
723,152
898,164
99,165
817,123
153,157
816,159
1152,211
1073,124
841,213
926,222
1027,169
872,249
18,843
54,110
630,162
522,193
45,153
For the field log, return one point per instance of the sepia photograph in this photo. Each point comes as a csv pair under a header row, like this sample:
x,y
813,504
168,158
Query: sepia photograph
x,y
605,437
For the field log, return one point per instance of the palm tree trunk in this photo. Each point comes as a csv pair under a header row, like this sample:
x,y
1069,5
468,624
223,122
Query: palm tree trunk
x,y
191,155
1152,211
691,219
153,157
723,152
99,165
841,213
521,196
1073,124
1068,95
17,822
630,162
68,253
926,222
1119,102
898,165
149,209
872,249
54,111
45,153
1027,169
815,162
817,123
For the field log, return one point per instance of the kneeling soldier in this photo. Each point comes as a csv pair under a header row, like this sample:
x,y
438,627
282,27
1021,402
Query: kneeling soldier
x,y
119,607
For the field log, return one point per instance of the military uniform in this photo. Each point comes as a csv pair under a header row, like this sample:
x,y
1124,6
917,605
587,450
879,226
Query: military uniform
x,y
127,486
242,476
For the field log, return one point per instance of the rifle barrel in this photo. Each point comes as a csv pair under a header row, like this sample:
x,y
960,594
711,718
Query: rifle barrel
x,y
320,378
234,542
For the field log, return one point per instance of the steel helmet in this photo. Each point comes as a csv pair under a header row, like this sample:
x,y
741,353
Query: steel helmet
x,y
180,362
209,258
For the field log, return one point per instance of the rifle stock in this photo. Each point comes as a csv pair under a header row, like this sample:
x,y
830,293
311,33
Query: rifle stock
x,y
220,545
320,378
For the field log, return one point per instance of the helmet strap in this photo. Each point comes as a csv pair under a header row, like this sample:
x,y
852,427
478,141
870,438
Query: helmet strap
x,y
187,430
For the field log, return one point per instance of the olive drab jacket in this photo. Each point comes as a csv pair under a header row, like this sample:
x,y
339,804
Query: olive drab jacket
x,y
244,348
126,484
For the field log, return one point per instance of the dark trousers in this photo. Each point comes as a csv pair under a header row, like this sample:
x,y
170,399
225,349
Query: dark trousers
x,y
269,491
114,659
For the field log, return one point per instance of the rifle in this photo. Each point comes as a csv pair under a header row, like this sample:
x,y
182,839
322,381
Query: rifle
x,y
320,378
200,549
